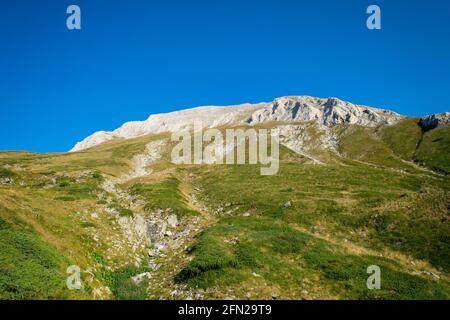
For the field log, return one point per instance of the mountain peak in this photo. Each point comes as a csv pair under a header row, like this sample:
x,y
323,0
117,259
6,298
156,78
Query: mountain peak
x,y
326,111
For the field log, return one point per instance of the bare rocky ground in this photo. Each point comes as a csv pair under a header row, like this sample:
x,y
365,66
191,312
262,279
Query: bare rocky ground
x,y
156,239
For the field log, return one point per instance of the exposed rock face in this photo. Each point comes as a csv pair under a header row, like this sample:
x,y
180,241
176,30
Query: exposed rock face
x,y
153,152
172,122
435,120
135,230
328,112
299,139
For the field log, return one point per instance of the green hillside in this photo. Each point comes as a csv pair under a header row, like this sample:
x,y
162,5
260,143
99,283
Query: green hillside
x,y
308,232
434,149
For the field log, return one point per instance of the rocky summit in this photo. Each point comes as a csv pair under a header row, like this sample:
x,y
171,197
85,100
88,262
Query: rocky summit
x,y
292,109
328,111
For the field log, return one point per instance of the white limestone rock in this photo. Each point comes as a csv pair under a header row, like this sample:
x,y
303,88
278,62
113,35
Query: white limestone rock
x,y
328,112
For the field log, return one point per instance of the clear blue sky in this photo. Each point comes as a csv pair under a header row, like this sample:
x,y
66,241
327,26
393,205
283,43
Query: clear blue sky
x,y
135,58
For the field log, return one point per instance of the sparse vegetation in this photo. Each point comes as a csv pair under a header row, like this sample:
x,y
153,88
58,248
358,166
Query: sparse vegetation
x,y
6,173
121,285
162,195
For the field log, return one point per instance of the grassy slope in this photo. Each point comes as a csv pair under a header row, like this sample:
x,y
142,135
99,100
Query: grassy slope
x,y
363,145
408,141
53,196
330,205
371,209
30,267
403,137
434,149
162,195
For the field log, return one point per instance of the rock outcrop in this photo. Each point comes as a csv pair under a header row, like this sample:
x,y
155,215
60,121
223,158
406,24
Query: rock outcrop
x,y
435,120
328,112
325,111
172,122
